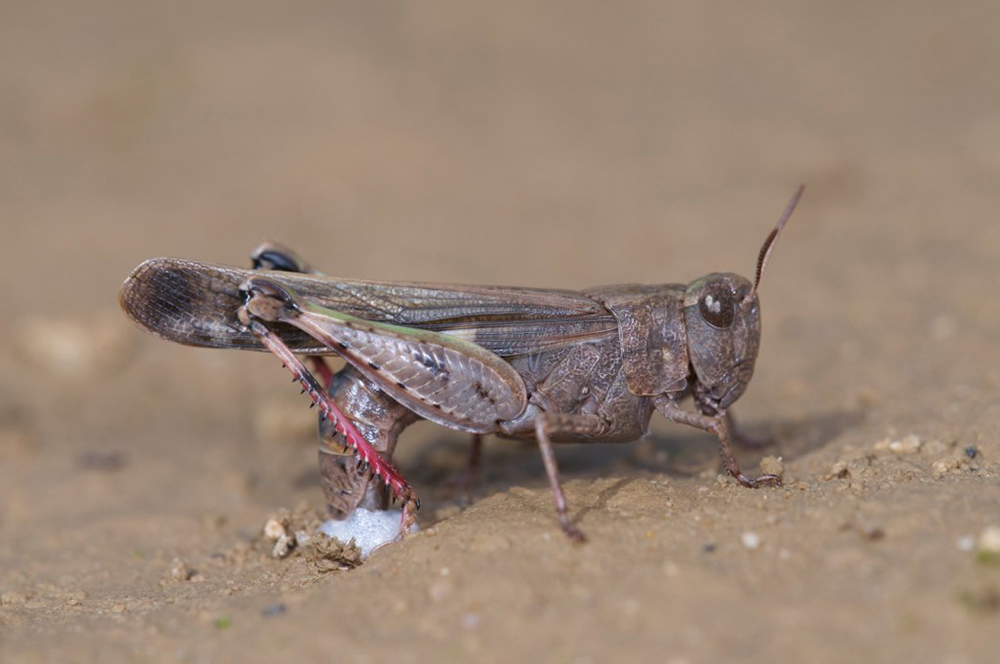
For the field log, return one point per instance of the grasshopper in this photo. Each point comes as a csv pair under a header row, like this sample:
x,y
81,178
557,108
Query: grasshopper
x,y
552,365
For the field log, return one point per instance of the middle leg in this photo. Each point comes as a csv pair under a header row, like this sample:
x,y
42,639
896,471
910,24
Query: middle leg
x,y
547,425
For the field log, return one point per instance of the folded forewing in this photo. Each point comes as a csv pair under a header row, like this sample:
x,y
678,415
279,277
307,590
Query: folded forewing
x,y
195,303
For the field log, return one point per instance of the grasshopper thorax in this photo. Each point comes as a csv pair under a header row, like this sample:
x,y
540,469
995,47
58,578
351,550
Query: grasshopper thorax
x,y
722,320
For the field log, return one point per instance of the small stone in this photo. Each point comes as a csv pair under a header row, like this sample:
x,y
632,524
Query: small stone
x,y
989,540
772,465
273,610
838,469
274,529
907,445
750,540
944,464
74,599
180,570
971,452
283,546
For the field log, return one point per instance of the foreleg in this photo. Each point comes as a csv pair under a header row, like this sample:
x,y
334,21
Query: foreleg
x,y
716,424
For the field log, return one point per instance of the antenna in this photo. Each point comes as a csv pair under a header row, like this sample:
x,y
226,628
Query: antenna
x,y
765,250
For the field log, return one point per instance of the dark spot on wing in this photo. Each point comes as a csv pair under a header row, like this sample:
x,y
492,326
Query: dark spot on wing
x,y
481,391
433,365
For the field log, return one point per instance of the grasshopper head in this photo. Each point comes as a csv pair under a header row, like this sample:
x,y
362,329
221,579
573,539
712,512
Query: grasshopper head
x,y
722,317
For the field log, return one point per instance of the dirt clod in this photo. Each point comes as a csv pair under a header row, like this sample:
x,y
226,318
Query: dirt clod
x,y
838,470
329,554
180,570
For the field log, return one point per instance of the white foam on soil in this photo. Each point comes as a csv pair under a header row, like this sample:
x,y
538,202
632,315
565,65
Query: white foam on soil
x,y
369,529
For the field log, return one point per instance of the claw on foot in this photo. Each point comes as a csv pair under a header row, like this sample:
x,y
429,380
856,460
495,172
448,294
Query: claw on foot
x,y
575,534
408,517
757,482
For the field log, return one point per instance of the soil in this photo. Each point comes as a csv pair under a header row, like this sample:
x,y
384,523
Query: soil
x,y
564,145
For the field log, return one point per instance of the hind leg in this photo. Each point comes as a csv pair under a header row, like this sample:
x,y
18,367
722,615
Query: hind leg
x,y
348,484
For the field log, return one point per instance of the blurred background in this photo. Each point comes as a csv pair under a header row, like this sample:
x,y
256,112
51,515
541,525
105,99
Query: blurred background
x,y
560,144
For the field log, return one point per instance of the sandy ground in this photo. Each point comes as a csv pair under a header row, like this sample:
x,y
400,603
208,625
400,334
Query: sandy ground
x,y
566,146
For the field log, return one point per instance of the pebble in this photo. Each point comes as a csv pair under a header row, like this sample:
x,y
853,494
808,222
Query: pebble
x,y
750,540
967,543
906,445
273,610
989,540
180,570
837,469
283,546
945,464
274,529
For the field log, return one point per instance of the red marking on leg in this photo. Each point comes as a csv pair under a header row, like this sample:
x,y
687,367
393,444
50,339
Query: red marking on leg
x,y
322,370
329,408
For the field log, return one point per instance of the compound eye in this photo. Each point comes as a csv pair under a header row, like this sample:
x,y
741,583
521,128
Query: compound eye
x,y
272,259
718,306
